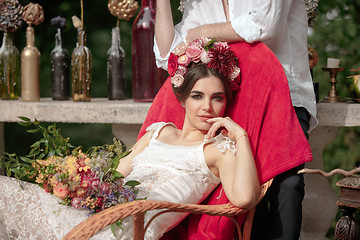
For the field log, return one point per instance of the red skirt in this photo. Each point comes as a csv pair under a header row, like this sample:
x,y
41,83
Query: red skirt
x,y
262,106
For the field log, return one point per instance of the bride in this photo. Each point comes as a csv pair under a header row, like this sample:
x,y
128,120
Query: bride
x,y
171,164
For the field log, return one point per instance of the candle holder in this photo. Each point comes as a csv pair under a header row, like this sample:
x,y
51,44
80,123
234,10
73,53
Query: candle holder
x,y
332,95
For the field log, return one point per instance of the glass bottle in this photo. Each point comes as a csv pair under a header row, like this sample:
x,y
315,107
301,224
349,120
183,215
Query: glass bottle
x,y
9,68
30,69
147,78
81,62
116,67
60,62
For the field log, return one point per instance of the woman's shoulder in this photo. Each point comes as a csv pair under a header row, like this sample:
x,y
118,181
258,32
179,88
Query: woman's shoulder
x,y
163,127
221,144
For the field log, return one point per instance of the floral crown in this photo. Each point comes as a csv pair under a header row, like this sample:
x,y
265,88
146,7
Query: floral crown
x,y
214,54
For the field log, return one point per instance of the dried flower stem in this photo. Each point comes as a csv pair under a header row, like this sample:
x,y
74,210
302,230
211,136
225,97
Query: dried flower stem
x,y
82,13
117,22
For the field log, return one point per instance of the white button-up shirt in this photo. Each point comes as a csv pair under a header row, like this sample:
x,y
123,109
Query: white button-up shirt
x,y
280,24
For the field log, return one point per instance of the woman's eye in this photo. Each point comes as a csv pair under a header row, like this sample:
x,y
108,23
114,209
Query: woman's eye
x,y
218,98
196,96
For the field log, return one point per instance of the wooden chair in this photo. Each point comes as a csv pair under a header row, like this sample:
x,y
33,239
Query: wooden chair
x,y
137,209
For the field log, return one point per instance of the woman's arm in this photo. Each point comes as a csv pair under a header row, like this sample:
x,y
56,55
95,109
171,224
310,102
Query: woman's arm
x,y
237,172
164,27
219,31
125,163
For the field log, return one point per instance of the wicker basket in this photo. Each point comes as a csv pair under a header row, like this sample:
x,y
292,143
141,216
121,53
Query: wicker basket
x,y
95,223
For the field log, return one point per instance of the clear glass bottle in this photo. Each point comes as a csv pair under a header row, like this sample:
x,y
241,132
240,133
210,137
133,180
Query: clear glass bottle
x,y
9,68
60,63
147,78
81,62
116,67
30,69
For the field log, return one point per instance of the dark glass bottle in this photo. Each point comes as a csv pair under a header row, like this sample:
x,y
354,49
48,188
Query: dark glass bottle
x,y
60,63
116,68
147,78
9,69
81,62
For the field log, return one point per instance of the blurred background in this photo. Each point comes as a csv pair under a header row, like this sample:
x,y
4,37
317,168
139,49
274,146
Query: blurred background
x,y
335,34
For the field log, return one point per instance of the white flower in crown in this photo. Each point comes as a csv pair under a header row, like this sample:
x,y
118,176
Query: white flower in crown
x,y
177,80
234,73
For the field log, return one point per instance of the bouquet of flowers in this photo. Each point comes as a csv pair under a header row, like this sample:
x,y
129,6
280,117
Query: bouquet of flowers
x,y
81,180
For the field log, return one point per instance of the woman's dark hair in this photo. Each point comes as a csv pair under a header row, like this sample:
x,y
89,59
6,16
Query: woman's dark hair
x,y
197,72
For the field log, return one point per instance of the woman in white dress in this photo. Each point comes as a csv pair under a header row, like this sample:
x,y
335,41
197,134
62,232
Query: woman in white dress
x,y
171,165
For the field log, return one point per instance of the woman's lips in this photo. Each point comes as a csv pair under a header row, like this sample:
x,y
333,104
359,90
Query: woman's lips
x,y
205,118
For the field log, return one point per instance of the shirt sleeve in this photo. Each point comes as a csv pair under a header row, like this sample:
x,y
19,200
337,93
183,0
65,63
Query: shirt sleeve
x,y
161,62
260,20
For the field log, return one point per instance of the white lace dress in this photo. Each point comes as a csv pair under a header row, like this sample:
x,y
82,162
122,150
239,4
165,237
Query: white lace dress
x,y
166,172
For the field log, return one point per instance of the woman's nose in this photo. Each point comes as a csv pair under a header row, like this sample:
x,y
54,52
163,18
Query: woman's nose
x,y
207,105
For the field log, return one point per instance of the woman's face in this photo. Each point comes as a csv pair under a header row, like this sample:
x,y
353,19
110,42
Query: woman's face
x,y
206,100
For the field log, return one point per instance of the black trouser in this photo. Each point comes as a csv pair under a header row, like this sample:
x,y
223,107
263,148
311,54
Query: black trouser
x,y
279,213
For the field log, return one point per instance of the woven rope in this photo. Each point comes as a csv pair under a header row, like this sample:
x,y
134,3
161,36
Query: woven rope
x,y
95,223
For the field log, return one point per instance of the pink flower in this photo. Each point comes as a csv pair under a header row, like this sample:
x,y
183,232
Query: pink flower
x,y
205,57
177,80
194,53
184,60
172,64
197,42
220,44
76,202
95,185
106,189
205,41
181,70
85,182
61,190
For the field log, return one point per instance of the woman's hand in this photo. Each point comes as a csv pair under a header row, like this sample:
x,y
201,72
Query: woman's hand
x,y
227,127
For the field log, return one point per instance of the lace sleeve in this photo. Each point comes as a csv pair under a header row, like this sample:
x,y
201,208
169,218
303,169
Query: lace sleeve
x,y
155,128
223,143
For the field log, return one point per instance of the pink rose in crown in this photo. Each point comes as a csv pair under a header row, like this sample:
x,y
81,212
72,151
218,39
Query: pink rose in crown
x,y
172,64
197,42
76,202
205,57
184,60
181,70
194,53
220,44
61,190
177,80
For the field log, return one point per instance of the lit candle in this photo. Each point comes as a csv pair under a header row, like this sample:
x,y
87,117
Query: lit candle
x,y
333,63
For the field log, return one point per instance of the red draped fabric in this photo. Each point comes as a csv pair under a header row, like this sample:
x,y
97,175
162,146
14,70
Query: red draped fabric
x,y
262,106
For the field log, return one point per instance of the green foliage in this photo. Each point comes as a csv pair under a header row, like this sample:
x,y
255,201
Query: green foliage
x,y
52,143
